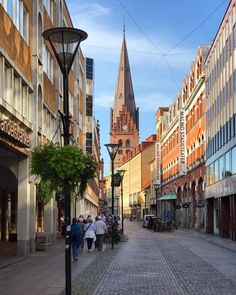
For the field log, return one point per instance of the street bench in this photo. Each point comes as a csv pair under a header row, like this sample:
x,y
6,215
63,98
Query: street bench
x,y
43,240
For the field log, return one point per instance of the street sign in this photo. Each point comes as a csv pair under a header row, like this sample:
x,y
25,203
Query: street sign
x,y
117,179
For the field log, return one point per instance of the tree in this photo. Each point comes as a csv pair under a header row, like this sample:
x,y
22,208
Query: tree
x,y
63,168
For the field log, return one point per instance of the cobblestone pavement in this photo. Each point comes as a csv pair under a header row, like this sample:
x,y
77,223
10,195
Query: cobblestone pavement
x,y
150,263
162,263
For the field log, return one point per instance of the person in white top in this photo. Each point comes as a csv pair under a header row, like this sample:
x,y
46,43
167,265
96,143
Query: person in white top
x,y
101,229
90,233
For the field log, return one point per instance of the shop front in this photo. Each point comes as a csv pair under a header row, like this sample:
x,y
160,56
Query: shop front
x,y
15,202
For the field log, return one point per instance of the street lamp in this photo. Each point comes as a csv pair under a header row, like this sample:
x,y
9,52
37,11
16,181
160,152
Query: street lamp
x,y
145,201
122,173
65,43
117,205
112,149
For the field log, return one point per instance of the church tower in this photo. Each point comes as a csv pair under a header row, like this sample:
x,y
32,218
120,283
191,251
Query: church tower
x,y
124,125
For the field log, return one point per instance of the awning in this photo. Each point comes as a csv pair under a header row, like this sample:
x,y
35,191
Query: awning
x,y
168,197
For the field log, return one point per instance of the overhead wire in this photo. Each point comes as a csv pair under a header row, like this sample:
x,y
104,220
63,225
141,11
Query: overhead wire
x,y
180,42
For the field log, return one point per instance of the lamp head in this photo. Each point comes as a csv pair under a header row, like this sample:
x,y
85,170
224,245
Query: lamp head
x,y
65,43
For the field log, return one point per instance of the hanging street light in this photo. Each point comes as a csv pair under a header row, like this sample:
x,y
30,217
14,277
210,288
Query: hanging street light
x,y
65,44
112,149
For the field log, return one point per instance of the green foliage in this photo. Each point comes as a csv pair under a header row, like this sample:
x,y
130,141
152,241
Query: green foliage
x,y
64,167
44,191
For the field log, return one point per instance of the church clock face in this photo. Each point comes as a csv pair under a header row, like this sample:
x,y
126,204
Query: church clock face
x,y
124,127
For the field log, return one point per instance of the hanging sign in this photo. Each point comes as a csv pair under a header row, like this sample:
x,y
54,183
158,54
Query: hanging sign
x,y
158,163
182,133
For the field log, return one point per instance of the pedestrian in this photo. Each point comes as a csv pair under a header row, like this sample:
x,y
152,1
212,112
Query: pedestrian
x,y
95,244
90,233
75,238
82,225
101,229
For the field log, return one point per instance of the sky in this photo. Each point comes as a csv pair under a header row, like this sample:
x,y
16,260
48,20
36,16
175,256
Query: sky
x,y
162,38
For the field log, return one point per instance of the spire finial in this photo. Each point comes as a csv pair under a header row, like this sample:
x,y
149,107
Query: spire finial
x,y
124,26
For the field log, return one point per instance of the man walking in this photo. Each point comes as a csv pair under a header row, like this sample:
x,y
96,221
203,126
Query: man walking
x,y
100,231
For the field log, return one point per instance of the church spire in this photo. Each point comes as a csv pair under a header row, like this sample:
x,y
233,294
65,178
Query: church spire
x,y
124,95
124,128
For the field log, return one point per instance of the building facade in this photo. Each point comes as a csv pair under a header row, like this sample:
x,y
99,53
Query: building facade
x,y
180,151
31,93
16,122
136,180
221,128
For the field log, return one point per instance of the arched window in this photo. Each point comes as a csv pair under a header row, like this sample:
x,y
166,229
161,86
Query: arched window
x,y
127,144
120,142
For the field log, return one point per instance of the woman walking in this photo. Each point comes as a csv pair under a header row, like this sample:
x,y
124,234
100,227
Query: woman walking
x,y
90,233
75,238
82,225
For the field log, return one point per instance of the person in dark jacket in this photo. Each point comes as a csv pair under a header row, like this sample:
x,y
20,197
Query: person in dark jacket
x,y
76,233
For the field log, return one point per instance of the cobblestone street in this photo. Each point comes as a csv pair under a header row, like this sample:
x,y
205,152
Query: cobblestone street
x,y
165,263
180,262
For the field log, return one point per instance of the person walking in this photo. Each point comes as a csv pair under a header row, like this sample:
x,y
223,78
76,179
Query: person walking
x,y
82,225
90,233
75,238
101,228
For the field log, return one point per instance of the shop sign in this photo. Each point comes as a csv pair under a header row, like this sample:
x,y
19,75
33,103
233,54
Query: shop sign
x,y
200,204
158,163
182,160
16,133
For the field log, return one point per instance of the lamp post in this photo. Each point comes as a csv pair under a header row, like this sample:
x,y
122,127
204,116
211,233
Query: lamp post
x,y
122,173
117,205
156,187
145,201
65,43
112,149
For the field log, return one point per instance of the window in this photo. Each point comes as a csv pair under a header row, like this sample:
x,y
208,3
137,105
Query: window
x,y
89,105
228,164
222,167
120,142
89,68
19,14
24,29
217,174
234,160
48,64
120,152
89,142
127,144
49,4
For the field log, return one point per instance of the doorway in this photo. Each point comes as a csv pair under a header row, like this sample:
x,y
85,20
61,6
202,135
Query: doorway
x,y
8,205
